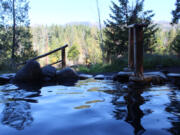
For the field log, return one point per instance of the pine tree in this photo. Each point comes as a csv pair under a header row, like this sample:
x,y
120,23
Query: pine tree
x,y
116,42
176,13
73,53
175,44
15,15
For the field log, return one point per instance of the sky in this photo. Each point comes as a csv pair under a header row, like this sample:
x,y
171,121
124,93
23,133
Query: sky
x,y
67,11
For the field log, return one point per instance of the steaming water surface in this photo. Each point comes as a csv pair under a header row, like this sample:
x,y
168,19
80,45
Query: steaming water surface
x,y
91,107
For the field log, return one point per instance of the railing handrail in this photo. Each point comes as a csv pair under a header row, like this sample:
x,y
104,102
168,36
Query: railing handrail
x,y
46,54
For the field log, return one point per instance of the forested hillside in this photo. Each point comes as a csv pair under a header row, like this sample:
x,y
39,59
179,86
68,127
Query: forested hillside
x,y
84,42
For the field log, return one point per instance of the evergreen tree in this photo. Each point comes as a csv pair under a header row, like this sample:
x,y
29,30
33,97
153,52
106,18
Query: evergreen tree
x,y
175,44
176,13
116,42
73,53
15,16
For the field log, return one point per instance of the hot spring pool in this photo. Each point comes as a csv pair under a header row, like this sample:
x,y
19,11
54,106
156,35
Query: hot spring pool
x,y
91,107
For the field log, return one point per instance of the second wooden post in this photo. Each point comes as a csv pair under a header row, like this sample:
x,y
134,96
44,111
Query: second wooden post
x,y
63,54
138,50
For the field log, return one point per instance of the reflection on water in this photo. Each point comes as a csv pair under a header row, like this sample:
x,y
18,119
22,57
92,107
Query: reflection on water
x,y
82,107
89,107
134,101
17,114
94,101
17,110
127,107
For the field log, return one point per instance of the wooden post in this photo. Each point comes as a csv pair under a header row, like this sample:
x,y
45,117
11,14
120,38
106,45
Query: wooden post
x,y
131,49
135,52
63,58
135,48
138,50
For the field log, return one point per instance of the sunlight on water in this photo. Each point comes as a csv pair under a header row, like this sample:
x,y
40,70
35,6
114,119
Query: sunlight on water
x,y
82,107
94,101
90,107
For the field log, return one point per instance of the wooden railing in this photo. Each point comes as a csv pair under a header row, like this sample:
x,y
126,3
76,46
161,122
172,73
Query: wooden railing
x,y
63,54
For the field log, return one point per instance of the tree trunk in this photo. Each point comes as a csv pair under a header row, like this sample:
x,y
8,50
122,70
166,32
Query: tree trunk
x,y
14,34
100,28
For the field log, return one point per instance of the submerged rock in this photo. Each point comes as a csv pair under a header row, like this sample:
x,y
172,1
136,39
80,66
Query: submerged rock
x,y
6,78
122,76
85,76
156,77
66,75
99,77
174,78
160,74
31,72
147,80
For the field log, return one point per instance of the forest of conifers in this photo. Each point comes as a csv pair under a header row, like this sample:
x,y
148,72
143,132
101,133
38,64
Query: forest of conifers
x,y
19,41
84,41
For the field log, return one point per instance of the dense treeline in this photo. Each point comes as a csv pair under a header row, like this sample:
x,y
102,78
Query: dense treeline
x,y
84,42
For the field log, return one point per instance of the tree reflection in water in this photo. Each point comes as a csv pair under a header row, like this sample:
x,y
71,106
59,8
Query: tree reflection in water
x,y
134,101
127,107
17,110
17,114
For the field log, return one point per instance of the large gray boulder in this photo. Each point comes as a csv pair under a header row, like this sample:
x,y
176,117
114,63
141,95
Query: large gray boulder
x,y
66,75
49,73
31,72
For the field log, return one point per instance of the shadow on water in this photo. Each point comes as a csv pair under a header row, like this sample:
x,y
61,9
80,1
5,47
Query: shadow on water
x,y
174,108
17,109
